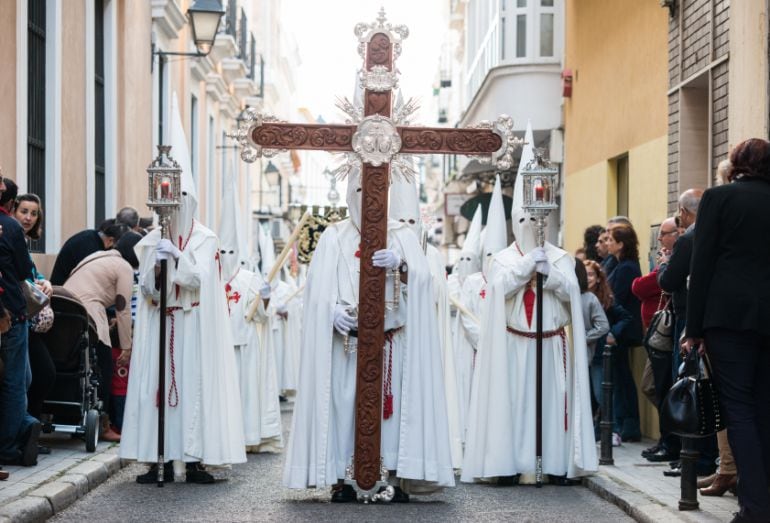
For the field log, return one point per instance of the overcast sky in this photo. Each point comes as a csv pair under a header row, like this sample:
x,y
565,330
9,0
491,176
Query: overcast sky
x,y
323,31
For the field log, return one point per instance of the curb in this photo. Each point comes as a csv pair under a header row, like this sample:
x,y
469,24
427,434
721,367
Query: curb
x,y
54,496
638,505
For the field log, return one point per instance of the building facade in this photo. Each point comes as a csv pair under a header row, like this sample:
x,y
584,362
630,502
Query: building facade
x,y
85,106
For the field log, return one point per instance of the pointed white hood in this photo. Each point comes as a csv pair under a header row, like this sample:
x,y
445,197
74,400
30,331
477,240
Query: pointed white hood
x,y
405,204
522,223
353,197
266,250
182,220
495,237
470,256
229,229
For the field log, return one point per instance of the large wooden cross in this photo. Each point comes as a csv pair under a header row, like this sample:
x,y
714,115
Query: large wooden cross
x,y
374,142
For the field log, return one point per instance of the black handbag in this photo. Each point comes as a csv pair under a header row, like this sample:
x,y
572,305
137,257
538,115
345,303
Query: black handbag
x,y
691,406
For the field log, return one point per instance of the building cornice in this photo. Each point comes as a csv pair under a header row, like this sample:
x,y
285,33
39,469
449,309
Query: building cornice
x,y
200,68
245,87
233,69
168,17
224,47
216,87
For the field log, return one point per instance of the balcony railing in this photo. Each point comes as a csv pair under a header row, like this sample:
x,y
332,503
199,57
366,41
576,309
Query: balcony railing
x,y
237,26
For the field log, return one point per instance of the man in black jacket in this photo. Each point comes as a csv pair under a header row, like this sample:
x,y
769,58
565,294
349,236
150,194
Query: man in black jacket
x,y
83,244
18,430
673,272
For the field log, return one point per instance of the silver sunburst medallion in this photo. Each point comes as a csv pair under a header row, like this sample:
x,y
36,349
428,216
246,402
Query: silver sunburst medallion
x,y
376,141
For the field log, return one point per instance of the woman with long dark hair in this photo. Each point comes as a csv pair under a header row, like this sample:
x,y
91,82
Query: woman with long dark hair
x,y
623,245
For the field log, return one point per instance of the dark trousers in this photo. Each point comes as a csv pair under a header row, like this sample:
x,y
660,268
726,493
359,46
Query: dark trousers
x,y
661,363
104,357
741,363
625,401
43,375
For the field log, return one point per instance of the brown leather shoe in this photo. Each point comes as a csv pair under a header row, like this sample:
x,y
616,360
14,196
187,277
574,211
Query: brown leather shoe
x,y
707,481
110,435
722,484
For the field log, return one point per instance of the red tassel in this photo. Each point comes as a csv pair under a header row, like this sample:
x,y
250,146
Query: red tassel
x,y
483,294
387,408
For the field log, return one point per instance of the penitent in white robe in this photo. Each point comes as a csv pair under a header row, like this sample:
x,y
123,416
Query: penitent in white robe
x,y
501,430
441,299
255,362
415,439
285,336
203,405
467,340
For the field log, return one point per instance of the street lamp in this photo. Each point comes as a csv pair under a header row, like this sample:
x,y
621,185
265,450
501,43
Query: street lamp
x,y
204,17
273,176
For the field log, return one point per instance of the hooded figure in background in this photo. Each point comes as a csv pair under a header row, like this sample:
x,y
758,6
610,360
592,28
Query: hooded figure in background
x,y
501,432
255,360
405,208
415,431
203,405
465,329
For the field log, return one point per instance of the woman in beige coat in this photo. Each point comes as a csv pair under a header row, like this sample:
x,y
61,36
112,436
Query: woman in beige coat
x,y
102,280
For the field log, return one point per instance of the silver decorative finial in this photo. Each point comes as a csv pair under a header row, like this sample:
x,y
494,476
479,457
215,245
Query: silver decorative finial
x,y
381,18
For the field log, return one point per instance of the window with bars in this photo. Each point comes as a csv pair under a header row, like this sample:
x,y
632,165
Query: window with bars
x,y
36,92
100,169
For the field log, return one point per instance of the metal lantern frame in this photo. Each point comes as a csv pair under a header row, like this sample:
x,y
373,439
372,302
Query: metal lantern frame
x,y
540,180
164,182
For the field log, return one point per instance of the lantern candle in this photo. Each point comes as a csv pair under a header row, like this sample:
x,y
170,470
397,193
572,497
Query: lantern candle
x,y
165,187
539,192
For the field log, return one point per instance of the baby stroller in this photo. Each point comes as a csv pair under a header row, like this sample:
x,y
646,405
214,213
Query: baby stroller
x,y
73,405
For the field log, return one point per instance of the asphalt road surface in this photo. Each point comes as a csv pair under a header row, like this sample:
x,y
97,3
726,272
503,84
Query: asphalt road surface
x,y
253,492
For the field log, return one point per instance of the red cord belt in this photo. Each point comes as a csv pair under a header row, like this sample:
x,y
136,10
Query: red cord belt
x,y
172,390
550,334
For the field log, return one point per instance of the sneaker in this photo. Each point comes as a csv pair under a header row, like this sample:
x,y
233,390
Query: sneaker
x,y
616,439
151,476
196,473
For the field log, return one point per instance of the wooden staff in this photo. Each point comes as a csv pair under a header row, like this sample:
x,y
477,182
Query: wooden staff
x,y
295,293
280,261
464,310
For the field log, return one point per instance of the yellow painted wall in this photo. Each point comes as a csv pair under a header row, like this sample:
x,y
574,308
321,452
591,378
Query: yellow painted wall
x,y
618,53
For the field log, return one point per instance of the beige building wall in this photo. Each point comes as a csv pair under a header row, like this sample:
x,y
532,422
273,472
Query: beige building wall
x,y
73,122
8,88
748,91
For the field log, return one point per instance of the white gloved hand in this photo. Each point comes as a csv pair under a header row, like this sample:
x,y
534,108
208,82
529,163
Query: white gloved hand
x,y
159,256
386,258
541,261
264,291
167,248
343,321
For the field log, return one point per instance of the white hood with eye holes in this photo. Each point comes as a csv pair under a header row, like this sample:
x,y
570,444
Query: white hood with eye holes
x,y
495,237
470,256
229,229
182,220
404,203
522,223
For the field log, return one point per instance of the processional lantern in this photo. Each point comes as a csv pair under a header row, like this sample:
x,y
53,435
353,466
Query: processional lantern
x,y
164,183
540,180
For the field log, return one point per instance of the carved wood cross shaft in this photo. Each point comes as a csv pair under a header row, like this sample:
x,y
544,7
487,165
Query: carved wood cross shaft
x,y
375,140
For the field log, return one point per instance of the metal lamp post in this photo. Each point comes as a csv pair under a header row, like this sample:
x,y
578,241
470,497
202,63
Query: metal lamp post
x,y
163,197
205,17
540,180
